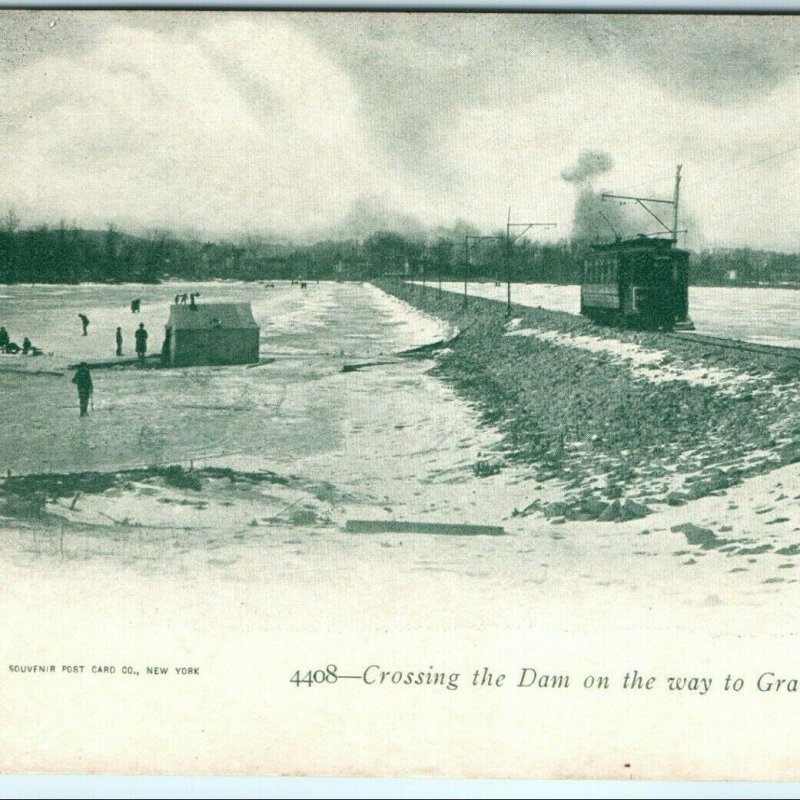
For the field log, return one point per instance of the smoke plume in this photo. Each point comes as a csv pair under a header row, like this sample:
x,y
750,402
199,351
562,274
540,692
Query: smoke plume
x,y
590,163
595,219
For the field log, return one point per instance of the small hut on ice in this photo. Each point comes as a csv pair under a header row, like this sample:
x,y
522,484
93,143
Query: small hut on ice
x,y
211,333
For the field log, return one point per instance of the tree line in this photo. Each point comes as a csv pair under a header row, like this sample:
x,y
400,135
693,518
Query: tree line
x,y
68,254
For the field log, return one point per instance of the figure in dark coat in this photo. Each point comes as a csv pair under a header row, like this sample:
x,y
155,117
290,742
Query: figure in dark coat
x,y
4,339
141,341
165,346
83,380
119,341
85,323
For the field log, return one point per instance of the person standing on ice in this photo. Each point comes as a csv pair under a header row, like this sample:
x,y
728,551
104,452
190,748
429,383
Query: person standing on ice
x,y
85,323
141,341
4,340
119,341
83,380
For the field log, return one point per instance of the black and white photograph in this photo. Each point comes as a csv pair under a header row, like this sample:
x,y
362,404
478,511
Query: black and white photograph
x,y
400,394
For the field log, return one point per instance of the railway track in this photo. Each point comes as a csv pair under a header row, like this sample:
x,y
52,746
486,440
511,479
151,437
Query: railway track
x,y
738,344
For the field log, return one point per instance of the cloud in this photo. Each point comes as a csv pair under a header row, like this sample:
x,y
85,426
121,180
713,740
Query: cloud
x,y
296,123
516,155
718,59
241,126
415,73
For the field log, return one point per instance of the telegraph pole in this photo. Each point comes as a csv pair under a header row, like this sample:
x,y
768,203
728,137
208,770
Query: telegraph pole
x,y
466,266
510,243
467,238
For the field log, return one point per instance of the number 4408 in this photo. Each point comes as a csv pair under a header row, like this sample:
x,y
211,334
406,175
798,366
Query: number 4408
x,y
327,675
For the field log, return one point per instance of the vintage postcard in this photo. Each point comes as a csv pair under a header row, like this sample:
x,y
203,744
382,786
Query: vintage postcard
x,y
400,394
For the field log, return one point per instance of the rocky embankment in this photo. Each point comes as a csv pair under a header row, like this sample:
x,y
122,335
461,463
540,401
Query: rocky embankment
x,y
625,421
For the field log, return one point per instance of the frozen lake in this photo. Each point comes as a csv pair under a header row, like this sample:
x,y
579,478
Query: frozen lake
x,y
767,316
272,413
390,435
391,442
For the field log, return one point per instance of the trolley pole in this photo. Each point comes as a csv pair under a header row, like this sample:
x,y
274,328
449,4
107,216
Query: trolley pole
x,y
509,244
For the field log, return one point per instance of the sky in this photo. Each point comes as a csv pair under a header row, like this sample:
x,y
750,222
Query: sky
x,y
309,125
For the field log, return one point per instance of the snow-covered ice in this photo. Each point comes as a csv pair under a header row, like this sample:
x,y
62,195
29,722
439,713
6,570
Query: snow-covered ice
x,y
763,315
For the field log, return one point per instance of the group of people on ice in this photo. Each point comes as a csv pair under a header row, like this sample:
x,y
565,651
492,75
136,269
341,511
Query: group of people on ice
x,y
140,335
12,348
180,300
83,377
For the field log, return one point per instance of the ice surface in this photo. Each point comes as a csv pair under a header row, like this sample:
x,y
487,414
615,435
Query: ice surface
x,y
763,315
387,442
275,413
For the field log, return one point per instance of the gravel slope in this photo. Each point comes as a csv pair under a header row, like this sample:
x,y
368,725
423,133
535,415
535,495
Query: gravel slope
x,y
629,421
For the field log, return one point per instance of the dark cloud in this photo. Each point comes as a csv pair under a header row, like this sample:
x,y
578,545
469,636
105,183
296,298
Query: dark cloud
x,y
717,59
415,73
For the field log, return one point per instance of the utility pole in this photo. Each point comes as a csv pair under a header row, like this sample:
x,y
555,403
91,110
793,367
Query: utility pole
x,y
510,243
675,198
467,239
643,201
466,266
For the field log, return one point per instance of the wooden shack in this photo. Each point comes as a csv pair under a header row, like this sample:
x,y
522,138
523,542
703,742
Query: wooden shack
x,y
211,333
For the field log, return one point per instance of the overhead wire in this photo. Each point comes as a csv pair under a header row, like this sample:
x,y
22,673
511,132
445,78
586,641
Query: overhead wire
x,y
716,176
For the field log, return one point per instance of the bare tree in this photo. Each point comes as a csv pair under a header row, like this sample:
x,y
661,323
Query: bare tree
x,y
11,220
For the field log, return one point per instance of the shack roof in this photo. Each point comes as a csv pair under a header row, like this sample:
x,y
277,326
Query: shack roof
x,y
233,316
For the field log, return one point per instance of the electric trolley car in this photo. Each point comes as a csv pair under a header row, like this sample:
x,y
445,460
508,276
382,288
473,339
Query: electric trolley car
x,y
637,283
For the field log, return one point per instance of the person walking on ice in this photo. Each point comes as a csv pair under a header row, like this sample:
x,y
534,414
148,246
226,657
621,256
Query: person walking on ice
x,y
141,341
119,341
83,380
85,323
